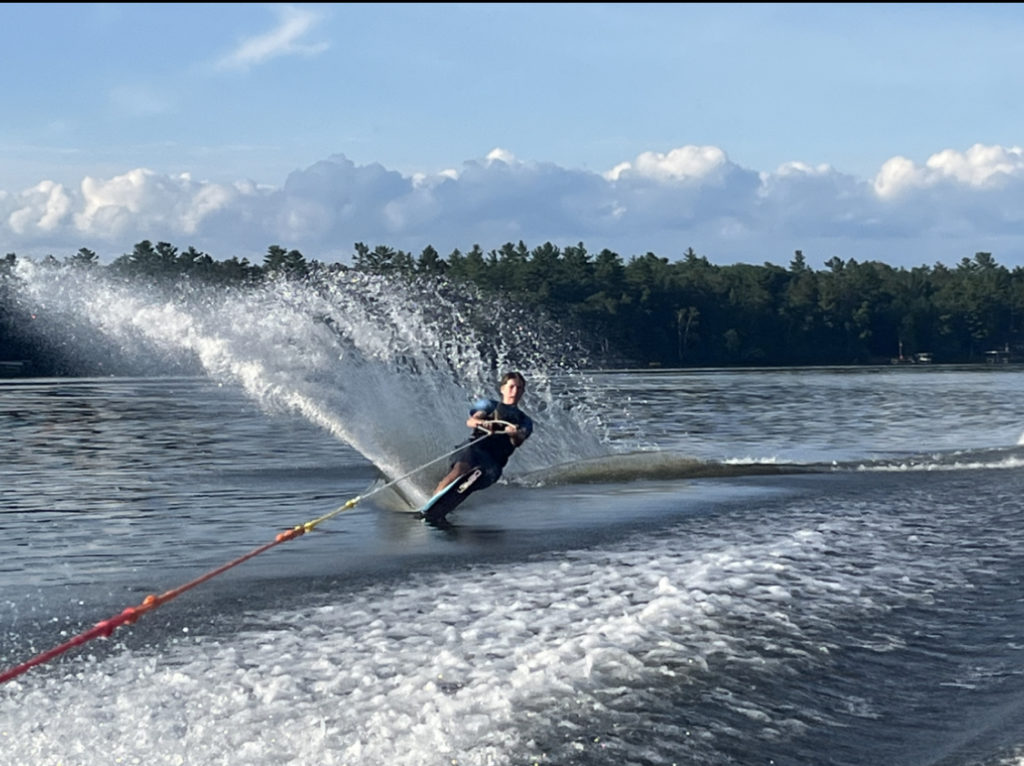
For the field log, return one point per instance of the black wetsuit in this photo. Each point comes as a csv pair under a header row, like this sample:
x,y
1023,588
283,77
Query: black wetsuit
x,y
492,454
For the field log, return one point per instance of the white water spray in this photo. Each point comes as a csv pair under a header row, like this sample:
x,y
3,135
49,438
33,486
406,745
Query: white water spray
x,y
388,367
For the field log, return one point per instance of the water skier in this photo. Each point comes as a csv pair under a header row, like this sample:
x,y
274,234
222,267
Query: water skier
x,y
510,427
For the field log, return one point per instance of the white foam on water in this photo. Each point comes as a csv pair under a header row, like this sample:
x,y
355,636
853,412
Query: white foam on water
x,y
947,464
487,665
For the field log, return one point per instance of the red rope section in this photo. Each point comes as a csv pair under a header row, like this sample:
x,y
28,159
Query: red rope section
x,y
132,613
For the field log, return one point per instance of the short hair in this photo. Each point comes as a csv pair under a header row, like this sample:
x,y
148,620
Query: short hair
x,y
517,376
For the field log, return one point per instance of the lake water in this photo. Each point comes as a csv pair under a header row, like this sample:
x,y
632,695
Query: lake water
x,y
803,566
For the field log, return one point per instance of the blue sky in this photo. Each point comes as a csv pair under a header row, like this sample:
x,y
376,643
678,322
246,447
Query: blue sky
x,y
886,132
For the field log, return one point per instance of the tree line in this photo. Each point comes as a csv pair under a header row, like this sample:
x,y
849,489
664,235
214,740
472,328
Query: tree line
x,y
648,310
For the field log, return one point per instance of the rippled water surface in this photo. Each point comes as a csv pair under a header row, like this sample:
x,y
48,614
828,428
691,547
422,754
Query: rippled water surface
x,y
788,566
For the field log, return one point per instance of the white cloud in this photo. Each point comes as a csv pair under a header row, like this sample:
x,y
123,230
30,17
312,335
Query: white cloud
x,y
501,155
39,209
979,167
684,163
141,201
896,174
207,200
283,40
954,205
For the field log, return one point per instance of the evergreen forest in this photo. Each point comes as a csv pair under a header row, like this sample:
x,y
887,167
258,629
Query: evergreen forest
x,y
648,310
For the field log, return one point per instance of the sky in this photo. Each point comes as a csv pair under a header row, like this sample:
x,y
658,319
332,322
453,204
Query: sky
x,y
877,132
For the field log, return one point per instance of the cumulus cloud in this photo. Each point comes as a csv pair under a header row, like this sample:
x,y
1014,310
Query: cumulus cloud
x,y
141,199
973,193
284,40
909,214
693,163
980,167
40,209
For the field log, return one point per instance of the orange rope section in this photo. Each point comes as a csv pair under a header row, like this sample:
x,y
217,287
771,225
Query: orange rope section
x,y
132,613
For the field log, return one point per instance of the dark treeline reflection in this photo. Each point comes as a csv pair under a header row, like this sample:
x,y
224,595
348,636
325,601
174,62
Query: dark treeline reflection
x,y
649,310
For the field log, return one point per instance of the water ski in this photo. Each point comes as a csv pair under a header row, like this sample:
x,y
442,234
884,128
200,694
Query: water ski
x,y
445,501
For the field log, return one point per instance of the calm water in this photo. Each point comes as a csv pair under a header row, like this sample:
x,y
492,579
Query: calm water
x,y
766,566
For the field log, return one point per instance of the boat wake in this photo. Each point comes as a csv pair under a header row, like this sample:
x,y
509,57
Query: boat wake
x,y
995,458
653,466
666,466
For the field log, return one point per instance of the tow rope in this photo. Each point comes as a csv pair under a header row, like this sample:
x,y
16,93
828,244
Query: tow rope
x,y
131,614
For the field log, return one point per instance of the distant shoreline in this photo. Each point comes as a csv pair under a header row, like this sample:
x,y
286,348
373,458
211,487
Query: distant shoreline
x,y
23,369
